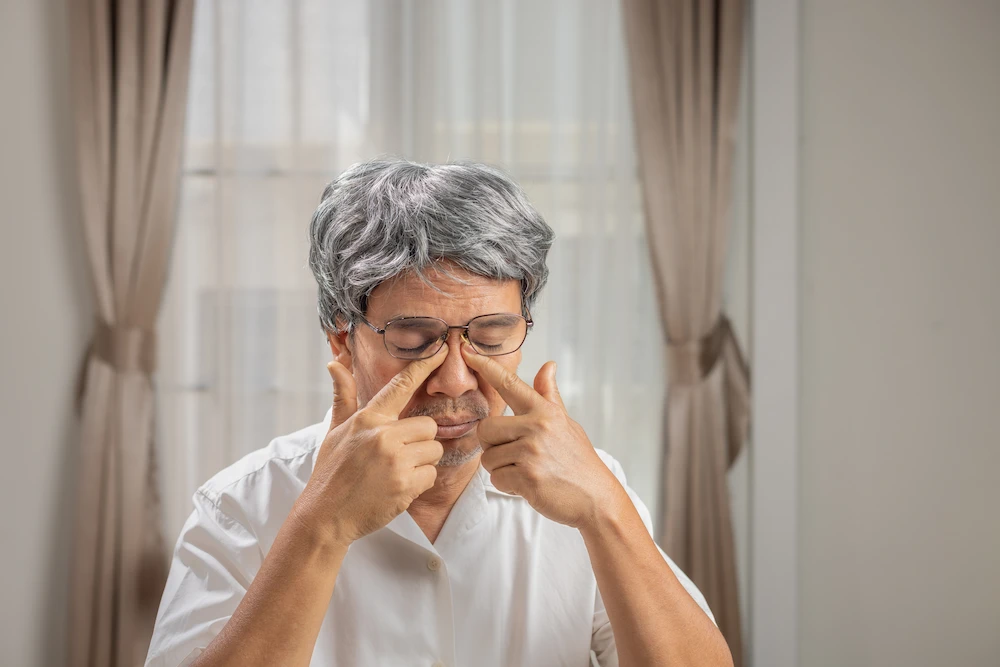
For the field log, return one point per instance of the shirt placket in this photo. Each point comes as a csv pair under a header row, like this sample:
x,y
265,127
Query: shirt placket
x,y
467,512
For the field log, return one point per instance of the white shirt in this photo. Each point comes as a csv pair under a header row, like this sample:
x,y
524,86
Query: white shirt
x,y
501,585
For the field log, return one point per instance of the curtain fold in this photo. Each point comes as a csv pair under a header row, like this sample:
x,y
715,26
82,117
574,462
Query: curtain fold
x,y
130,74
685,64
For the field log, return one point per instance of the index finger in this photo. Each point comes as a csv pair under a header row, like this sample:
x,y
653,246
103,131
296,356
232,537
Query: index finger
x,y
393,397
519,396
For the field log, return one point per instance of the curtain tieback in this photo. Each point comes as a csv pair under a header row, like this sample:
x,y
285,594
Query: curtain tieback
x,y
690,362
126,349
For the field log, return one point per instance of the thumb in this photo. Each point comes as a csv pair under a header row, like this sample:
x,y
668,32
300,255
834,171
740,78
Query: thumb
x,y
545,383
345,393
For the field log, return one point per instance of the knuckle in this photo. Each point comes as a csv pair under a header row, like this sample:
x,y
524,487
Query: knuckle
x,y
399,467
354,424
401,383
365,419
509,381
396,481
530,475
384,443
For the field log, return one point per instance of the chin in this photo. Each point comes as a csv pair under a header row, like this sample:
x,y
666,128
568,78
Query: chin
x,y
455,454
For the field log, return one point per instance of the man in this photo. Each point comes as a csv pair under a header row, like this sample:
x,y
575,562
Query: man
x,y
417,524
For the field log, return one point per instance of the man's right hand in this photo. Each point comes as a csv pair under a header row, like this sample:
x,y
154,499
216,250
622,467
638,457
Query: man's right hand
x,y
369,468
372,464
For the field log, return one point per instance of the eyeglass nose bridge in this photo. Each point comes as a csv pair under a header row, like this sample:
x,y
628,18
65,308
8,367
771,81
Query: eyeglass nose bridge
x,y
464,334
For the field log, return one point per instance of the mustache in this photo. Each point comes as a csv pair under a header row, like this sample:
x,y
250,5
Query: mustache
x,y
473,405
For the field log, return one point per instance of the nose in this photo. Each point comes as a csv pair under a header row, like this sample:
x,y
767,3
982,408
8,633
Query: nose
x,y
453,377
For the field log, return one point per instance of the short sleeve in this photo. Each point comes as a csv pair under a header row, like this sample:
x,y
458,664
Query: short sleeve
x,y
602,638
215,560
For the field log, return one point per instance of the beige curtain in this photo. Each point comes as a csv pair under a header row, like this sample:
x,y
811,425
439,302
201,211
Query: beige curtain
x,y
130,72
685,62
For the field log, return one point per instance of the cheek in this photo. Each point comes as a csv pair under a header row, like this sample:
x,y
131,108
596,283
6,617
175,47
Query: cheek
x,y
370,376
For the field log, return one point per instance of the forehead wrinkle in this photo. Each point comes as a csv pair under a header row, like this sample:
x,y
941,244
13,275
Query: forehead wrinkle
x,y
475,304
422,300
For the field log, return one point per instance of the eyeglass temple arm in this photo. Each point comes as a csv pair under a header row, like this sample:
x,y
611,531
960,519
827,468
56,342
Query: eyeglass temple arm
x,y
373,327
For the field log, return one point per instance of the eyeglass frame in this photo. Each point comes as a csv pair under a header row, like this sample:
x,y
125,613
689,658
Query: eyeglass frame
x,y
465,334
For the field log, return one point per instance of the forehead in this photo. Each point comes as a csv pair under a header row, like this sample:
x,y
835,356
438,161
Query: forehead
x,y
454,298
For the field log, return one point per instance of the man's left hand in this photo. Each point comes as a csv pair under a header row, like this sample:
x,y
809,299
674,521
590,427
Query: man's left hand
x,y
540,453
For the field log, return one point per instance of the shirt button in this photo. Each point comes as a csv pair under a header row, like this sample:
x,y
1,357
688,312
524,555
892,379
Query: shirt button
x,y
434,564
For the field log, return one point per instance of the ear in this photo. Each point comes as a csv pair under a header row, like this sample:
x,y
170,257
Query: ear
x,y
338,341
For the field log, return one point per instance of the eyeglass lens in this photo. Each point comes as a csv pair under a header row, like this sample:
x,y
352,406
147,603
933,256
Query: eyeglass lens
x,y
422,337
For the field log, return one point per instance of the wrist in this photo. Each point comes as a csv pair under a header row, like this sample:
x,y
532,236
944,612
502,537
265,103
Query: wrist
x,y
606,508
319,530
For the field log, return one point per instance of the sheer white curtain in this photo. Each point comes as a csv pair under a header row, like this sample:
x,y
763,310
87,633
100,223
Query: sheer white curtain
x,y
285,95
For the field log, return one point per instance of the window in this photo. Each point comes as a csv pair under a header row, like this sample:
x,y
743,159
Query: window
x,y
284,96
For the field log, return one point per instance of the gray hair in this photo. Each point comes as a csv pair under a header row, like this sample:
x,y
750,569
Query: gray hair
x,y
386,217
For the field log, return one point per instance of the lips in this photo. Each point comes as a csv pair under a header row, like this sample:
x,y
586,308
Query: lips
x,y
451,428
452,421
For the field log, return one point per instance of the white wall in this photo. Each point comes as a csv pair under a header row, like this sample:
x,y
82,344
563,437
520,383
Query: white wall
x,y
900,308
45,315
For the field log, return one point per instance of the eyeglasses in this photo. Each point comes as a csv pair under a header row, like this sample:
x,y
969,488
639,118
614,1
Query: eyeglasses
x,y
421,337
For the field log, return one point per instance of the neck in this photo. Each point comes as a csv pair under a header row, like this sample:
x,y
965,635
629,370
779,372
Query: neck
x,y
431,508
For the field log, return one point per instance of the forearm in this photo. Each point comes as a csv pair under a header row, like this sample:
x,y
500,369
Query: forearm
x,y
655,621
279,618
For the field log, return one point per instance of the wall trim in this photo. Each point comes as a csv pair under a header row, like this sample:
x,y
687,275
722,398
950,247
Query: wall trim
x,y
774,192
